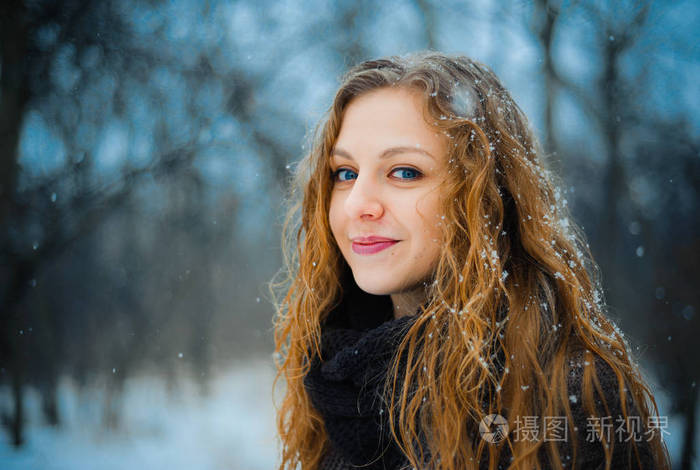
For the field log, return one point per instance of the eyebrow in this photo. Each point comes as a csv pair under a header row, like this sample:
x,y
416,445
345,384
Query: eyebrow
x,y
386,153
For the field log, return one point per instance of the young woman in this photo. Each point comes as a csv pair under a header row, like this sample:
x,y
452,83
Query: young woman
x,y
441,309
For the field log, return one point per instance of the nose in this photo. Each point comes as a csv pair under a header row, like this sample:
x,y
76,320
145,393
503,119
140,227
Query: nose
x,y
364,200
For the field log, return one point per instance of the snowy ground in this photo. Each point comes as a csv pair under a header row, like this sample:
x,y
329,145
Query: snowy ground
x,y
233,428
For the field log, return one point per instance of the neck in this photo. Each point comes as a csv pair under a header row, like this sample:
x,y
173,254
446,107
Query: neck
x,y
407,303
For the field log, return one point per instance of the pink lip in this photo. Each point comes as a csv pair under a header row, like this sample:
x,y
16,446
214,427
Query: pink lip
x,y
374,247
372,239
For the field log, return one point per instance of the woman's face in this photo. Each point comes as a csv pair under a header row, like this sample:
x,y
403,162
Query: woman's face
x,y
387,167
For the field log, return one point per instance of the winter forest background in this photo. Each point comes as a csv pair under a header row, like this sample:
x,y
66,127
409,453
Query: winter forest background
x,y
144,150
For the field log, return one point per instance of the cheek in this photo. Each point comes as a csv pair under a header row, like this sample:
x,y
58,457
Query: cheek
x,y
429,217
431,232
335,217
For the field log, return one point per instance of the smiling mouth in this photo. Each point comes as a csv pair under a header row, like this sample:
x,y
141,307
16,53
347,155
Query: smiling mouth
x,y
372,248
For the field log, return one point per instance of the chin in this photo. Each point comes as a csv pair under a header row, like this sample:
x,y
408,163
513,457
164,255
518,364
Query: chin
x,y
373,285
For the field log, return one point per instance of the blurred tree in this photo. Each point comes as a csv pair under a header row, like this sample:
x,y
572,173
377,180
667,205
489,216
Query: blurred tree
x,y
665,197
618,30
544,24
428,12
644,152
53,55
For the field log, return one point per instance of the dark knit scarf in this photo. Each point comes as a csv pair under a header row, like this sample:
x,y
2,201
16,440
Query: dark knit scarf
x,y
358,341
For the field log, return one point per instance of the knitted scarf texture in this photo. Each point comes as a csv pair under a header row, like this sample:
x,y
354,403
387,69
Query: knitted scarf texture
x,y
358,341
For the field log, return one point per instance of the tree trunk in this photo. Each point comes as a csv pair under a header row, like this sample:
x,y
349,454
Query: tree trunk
x,y
688,453
49,403
613,178
428,14
549,15
14,94
17,420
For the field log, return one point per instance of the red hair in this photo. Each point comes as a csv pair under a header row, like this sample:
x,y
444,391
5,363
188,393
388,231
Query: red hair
x,y
514,295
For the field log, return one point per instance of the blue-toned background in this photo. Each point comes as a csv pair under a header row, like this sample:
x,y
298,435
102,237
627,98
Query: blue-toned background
x,y
144,150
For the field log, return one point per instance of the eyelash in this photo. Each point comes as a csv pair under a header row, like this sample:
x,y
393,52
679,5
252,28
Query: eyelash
x,y
419,175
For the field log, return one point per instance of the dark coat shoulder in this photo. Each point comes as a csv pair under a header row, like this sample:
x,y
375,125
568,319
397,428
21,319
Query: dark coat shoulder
x,y
589,430
628,434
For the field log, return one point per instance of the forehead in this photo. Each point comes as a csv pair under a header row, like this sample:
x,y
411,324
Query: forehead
x,y
389,117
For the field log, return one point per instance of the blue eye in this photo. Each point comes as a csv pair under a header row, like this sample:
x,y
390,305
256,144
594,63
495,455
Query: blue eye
x,y
408,173
405,173
341,171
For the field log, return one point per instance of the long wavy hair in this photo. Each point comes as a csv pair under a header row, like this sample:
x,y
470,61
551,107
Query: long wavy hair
x,y
514,295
